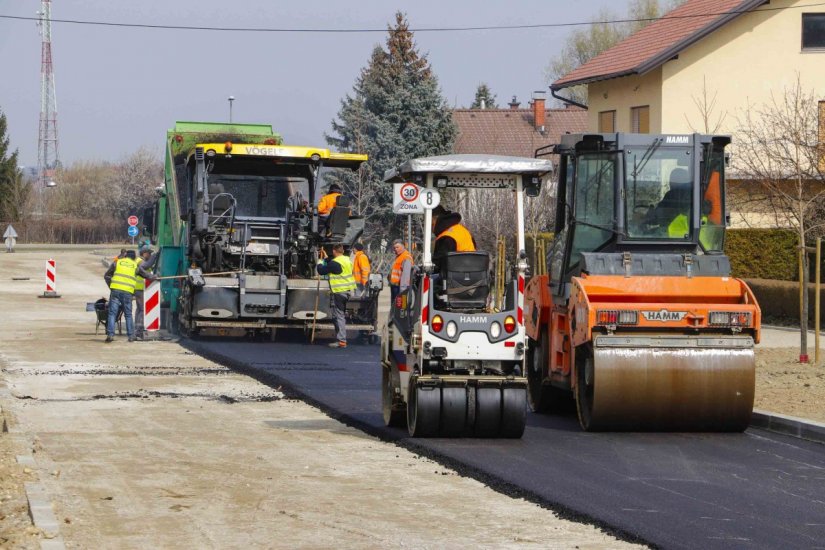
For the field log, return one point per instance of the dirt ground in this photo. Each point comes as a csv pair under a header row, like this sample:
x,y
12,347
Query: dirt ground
x,y
145,445
786,386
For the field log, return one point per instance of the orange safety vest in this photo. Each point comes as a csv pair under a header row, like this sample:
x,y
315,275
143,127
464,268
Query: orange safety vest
x,y
361,267
327,203
462,237
398,267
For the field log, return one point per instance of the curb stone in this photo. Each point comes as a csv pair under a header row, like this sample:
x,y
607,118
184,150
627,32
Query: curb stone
x,y
42,515
789,425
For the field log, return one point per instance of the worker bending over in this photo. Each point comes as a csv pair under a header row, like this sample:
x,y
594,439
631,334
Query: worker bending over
x,y
341,286
121,278
401,274
147,262
360,268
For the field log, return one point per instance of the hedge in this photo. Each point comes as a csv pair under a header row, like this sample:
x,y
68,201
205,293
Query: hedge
x,y
763,253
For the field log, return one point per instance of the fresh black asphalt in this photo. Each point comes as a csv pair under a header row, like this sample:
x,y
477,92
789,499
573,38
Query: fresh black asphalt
x,y
683,490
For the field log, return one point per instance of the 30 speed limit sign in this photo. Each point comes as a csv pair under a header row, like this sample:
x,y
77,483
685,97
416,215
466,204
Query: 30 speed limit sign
x,y
409,198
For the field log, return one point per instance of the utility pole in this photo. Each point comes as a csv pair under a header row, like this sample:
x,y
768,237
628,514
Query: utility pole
x,y
231,99
47,156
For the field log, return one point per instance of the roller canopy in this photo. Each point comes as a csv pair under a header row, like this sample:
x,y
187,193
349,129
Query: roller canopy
x,y
469,164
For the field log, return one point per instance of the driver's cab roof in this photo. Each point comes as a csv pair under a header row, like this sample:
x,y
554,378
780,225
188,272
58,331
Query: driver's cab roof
x,y
468,165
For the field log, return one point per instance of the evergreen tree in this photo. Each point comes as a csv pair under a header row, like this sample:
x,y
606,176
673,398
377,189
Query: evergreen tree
x,y
484,94
13,190
395,112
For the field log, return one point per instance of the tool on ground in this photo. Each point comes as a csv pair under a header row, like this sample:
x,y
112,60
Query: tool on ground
x,y
638,317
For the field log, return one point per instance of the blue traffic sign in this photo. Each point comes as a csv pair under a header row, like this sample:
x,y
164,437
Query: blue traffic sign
x,y
133,231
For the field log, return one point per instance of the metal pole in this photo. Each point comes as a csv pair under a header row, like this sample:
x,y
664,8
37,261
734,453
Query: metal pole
x,y
231,99
817,299
409,232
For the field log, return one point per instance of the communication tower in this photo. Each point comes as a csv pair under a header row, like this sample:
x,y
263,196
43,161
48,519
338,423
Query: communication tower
x,y
47,156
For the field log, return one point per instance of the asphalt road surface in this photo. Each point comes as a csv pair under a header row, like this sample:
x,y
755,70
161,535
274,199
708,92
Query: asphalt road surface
x,y
750,490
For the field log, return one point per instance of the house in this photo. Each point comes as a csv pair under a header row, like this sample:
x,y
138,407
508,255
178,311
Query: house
x,y
701,68
515,131
702,64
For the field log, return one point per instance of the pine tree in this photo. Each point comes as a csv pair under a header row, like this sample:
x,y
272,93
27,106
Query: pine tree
x,y
13,190
484,94
395,112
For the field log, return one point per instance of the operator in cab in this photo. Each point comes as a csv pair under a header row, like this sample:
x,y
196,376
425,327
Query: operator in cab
x,y
328,201
451,235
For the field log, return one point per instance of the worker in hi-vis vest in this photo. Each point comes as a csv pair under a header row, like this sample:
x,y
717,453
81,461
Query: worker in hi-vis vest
x,y
361,268
341,285
122,278
451,235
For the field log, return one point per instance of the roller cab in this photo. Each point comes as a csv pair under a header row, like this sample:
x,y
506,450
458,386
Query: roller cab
x,y
638,317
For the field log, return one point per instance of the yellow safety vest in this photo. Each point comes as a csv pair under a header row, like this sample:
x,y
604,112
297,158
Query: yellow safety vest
x,y
124,277
678,228
345,281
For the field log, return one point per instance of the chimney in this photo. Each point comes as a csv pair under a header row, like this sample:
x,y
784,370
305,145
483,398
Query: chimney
x,y
539,113
514,104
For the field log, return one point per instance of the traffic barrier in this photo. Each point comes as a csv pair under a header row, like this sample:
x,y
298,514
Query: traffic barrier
x,y
51,280
151,306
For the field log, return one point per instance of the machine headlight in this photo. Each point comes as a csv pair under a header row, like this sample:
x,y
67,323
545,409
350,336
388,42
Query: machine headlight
x,y
452,329
495,330
729,318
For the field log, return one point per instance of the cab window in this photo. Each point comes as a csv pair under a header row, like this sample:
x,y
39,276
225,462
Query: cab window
x,y
594,204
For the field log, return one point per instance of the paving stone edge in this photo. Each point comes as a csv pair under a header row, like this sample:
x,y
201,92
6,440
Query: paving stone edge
x,y
801,428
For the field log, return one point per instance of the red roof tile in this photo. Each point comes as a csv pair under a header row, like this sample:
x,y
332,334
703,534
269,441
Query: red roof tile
x,y
658,42
511,131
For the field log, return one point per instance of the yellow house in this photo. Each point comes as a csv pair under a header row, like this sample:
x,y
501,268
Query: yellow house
x,y
697,68
700,68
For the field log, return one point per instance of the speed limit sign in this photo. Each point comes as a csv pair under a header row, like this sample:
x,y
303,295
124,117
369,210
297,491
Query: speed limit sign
x,y
430,198
409,192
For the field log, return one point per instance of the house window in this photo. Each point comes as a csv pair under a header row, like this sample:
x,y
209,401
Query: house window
x,y
607,121
813,31
640,119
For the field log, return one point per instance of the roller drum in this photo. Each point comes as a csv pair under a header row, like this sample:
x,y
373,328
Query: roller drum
x,y
661,384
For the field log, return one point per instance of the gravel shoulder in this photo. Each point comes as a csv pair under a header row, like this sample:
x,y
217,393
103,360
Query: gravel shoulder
x,y
147,445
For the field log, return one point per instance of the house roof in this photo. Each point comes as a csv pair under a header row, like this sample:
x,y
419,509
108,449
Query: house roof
x,y
512,131
659,41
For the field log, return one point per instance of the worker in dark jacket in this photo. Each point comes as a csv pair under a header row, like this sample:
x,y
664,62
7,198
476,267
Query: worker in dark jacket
x,y
451,235
341,286
121,278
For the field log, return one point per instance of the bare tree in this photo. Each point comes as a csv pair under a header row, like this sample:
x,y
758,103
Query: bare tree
x,y
778,148
709,119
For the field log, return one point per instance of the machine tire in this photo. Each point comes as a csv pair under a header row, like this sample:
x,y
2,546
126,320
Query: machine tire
x,y
585,386
423,410
393,417
488,412
513,412
539,395
453,411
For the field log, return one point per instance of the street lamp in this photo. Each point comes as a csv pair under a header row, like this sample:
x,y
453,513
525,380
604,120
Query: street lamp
x,y
231,99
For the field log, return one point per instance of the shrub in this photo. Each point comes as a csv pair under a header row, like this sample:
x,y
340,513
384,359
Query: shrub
x,y
763,253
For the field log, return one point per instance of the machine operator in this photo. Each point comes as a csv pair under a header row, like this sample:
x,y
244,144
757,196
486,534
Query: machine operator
x,y
451,235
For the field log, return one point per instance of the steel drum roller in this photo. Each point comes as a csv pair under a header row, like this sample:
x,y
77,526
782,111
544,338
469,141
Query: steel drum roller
x,y
706,385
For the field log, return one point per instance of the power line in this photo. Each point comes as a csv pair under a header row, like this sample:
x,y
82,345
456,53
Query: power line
x,y
383,30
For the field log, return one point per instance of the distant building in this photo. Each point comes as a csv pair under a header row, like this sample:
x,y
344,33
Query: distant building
x,y
513,130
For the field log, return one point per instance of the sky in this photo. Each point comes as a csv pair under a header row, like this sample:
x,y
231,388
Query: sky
x,y
119,89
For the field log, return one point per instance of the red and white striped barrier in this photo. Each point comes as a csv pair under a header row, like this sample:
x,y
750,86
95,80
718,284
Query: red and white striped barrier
x,y
151,306
51,280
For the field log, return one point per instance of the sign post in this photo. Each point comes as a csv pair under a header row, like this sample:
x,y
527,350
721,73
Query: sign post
x,y
11,238
133,230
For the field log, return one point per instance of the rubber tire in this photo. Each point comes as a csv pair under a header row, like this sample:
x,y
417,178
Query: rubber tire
x,y
539,395
423,410
513,412
488,412
393,418
453,411
584,392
